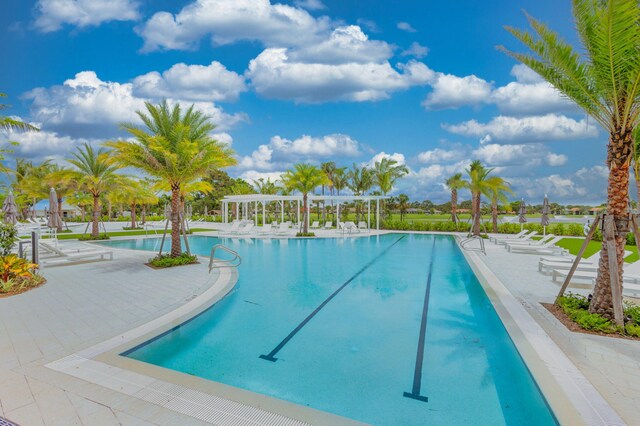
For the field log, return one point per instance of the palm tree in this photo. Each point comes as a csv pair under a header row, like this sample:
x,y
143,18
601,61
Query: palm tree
x,y
304,178
478,185
360,180
498,189
386,173
81,200
602,79
94,173
8,123
329,169
454,183
29,184
176,147
403,205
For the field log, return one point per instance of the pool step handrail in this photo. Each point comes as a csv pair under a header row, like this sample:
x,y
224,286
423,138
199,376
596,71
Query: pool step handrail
x,y
223,263
469,239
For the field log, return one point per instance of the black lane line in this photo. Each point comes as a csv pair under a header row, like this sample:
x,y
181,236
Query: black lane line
x,y
270,355
417,374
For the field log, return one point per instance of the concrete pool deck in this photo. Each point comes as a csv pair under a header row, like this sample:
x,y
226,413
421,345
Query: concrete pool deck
x,y
84,305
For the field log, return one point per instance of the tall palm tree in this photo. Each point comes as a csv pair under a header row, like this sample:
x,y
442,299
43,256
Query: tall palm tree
x,y
403,205
304,178
94,173
478,185
175,147
454,183
360,180
498,189
329,169
81,200
601,78
386,173
29,184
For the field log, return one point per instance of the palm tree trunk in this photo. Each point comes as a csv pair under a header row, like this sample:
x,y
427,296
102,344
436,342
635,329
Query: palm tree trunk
x,y
60,214
109,208
475,212
95,229
494,214
618,152
454,206
176,248
305,228
144,214
133,216
83,209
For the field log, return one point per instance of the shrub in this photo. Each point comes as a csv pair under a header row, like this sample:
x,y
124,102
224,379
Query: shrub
x,y
308,234
17,274
577,309
129,228
88,237
166,261
8,237
633,330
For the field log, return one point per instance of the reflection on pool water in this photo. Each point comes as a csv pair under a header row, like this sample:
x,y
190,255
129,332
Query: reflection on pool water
x,y
348,326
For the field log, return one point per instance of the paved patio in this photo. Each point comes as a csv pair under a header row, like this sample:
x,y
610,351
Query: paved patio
x,y
82,305
611,365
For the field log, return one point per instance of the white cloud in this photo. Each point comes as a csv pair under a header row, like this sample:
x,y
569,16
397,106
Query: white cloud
x,y
398,157
439,155
527,129
252,176
310,4
531,98
450,91
223,138
274,75
227,21
555,160
280,153
405,26
86,105
526,75
211,82
51,15
494,154
416,50
42,145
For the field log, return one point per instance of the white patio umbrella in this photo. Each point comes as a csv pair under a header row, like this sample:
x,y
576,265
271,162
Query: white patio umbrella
x,y
10,209
54,220
521,217
544,220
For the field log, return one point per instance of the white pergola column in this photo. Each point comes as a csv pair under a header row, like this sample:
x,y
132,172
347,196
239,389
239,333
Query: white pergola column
x,y
337,213
264,215
298,212
237,210
378,215
282,211
369,214
255,213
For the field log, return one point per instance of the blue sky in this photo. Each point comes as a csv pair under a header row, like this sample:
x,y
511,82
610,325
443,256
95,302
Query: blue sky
x,y
309,80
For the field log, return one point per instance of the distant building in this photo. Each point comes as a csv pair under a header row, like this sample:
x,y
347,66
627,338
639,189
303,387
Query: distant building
x,y
68,211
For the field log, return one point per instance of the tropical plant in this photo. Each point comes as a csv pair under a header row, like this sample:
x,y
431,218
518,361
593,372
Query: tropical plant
x,y
177,148
8,238
603,79
454,183
360,180
329,169
95,174
304,178
498,189
8,123
402,205
477,185
81,200
386,173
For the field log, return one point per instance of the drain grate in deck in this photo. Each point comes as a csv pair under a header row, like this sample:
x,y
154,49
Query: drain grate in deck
x,y
5,422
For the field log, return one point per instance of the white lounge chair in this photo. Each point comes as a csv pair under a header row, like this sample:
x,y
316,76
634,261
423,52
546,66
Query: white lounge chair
x,y
363,226
548,247
539,242
283,228
630,276
315,225
246,229
526,237
348,227
520,234
328,225
57,255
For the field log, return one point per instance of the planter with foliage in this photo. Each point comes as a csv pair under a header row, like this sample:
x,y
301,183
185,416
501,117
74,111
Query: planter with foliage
x,y
575,308
18,275
305,234
167,261
89,237
128,228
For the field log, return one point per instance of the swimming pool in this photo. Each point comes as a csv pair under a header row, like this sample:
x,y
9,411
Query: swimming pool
x,y
389,330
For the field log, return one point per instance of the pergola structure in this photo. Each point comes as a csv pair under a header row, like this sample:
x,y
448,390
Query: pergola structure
x,y
244,205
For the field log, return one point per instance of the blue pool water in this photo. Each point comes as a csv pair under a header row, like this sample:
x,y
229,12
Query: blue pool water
x,y
357,356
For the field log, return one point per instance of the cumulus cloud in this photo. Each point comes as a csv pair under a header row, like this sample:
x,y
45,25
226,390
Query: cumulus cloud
x,y
227,21
280,152
450,91
555,160
43,144
439,155
252,176
524,74
416,50
86,105
274,75
310,4
51,15
526,129
211,82
405,26
398,157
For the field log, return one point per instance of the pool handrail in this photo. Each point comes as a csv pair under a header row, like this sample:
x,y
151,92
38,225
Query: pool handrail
x,y
233,263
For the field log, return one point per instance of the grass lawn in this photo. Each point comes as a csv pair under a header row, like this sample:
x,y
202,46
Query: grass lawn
x,y
574,244
126,233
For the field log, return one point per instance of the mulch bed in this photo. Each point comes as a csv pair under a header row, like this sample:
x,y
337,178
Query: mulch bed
x,y
572,326
172,266
24,290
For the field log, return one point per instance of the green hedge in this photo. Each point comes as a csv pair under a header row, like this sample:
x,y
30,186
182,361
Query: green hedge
x,y
425,226
570,229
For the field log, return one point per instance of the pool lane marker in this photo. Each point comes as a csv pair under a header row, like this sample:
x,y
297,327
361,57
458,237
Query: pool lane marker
x,y
271,355
417,374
